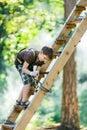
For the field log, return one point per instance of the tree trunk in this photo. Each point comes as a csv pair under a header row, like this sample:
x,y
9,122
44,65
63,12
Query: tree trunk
x,y
68,6
70,117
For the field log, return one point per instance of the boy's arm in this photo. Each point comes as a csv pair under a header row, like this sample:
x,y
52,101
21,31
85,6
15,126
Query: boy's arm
x,y
26,71
24,68
38,68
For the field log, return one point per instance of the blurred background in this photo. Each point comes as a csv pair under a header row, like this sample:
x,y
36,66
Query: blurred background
x,y
33,24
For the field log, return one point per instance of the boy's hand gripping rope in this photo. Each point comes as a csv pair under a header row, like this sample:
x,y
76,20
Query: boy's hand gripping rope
x,y
35,83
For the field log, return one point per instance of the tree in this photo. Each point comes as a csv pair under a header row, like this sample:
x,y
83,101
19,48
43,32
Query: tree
x,y
70,117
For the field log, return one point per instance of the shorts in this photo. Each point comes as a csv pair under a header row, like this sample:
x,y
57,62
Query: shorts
x,y
26,79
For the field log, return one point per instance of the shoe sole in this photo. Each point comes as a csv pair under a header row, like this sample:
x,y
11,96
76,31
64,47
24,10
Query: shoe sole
x,y
19,107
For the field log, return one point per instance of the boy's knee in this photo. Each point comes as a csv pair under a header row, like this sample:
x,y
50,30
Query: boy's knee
x,y
27,86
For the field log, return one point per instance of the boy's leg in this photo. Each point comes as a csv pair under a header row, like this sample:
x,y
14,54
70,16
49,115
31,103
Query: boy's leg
x,y
20,95
19,99
22,102
26,91
26,94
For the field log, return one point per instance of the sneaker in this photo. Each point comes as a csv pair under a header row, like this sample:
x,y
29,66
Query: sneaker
x,y
25,104
8,124
22,106
17,106
18,102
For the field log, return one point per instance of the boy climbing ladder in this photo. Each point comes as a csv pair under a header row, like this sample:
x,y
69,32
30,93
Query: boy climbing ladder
x,y
24,62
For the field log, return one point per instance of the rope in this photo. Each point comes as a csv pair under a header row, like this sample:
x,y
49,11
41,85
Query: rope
x,y
42,88
36,81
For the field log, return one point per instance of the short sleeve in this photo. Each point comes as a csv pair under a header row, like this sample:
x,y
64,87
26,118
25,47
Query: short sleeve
x,y
29,57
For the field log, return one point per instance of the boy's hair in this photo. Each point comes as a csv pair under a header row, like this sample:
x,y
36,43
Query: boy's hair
x,y
48,51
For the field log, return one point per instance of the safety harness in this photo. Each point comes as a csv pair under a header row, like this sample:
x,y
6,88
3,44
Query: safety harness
x,y
19,60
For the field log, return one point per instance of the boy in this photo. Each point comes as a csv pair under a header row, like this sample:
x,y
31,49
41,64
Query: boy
x,y
24,63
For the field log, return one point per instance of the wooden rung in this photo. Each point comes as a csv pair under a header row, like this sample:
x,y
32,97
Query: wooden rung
x,y
70,25
80,8
62,40
7,127
83,3
57,53
14,114
76,20
59,42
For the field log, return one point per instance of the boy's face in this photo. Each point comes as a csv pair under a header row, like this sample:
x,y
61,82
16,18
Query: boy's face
x,y
43,57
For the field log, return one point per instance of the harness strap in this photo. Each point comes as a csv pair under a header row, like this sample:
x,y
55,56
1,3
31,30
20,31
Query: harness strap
x,y
43,88
19,60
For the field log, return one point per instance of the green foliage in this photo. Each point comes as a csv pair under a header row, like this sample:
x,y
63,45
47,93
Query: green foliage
x,y
83,108
2,72
20,22
50,108
83,78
